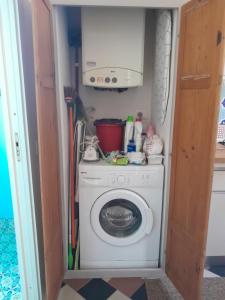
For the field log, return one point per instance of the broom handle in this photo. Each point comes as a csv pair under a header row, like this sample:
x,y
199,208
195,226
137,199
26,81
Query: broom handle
x,y
72,198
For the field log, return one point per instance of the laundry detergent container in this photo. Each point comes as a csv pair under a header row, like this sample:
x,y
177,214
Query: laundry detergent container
x,y
110,134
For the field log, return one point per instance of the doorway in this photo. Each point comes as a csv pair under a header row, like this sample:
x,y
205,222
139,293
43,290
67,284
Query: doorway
x,y
9,271
215,250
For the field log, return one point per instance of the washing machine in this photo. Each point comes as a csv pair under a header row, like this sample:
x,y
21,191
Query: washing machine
x,y
120,209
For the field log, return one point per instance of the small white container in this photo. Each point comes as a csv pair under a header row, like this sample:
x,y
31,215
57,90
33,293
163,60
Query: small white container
x,y
155,159
137,158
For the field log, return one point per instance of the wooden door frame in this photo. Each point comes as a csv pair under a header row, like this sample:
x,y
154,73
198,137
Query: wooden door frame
x,y
16,130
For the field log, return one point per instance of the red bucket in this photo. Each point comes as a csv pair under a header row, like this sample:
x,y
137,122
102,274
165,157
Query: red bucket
x,y
110,134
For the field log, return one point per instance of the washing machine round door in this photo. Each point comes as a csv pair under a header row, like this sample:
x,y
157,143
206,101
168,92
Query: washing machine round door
x,y
121,217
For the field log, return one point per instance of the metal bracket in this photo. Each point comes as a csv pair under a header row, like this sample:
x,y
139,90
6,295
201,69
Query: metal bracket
x,y
17,146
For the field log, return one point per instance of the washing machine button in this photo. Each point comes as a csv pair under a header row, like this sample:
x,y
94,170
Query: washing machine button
x,y
113,180
148,179
121,179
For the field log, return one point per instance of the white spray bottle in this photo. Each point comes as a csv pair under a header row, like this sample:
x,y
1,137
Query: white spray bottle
x,y
138,128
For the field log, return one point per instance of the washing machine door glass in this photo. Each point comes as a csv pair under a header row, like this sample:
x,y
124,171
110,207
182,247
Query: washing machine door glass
x,y
120,217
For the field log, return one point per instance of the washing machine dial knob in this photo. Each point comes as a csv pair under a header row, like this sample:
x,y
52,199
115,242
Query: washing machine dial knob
x,y
121,179
114,179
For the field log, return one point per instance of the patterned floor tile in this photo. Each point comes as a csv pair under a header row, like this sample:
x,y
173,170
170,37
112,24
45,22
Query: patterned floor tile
x,y
118,296
96,289
9,275
106,279
140,294
218,270
67,293
76,284
208,274
127,286
104,289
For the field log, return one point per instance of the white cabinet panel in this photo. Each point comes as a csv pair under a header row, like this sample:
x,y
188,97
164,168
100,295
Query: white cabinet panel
x,y
216,230
218,181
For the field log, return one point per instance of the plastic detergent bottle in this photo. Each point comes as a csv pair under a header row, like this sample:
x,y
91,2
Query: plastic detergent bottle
x,y
131,147
138,127
128,132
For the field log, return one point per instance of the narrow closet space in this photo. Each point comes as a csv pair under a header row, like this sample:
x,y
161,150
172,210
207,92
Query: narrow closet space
x,y
114,78
215,248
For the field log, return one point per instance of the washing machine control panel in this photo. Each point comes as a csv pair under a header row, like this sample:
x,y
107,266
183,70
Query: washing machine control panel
x,y
121,177
118,180
130,180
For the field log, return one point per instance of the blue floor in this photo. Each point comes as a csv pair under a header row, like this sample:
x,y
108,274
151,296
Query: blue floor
x,y
9,274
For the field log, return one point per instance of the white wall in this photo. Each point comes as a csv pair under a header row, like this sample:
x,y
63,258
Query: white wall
x,y
109,104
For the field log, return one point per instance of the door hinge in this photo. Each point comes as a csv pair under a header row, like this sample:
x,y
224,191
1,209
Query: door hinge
x,y
17,147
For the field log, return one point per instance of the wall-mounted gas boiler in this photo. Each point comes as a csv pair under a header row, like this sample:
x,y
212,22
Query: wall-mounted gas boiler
x,y
113,47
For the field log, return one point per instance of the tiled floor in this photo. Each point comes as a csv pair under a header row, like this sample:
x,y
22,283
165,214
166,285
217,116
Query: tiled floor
x,y
218,270
209,274
129,288
102,289
163,289
9,275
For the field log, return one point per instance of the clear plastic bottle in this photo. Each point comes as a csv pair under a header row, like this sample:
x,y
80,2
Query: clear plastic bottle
x,y
138,127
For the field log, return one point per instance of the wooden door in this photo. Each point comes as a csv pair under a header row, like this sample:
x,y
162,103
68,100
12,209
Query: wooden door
x,y
200,69
48,146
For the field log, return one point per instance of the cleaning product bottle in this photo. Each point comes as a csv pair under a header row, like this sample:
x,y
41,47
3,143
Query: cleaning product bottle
x,y
150,131
131,147
138,127
128,132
